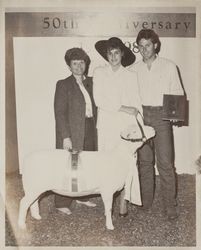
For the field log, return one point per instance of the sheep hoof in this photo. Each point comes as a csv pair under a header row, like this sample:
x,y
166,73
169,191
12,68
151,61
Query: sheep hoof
x,y
110,227
86,203
36,216
22,225
64,210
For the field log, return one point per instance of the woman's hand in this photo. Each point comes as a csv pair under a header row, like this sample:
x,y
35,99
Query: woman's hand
x,y
67,144
129,110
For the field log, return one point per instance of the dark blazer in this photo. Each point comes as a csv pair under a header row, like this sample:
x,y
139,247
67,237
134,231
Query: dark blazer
x,y
69,108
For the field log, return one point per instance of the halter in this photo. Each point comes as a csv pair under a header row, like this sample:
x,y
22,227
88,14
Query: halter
x,y
143,138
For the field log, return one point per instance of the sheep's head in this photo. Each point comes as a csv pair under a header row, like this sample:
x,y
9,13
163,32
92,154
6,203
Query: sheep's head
x,y
137,133
134,134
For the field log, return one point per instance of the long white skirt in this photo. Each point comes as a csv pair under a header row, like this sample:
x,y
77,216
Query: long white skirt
x,y
110,126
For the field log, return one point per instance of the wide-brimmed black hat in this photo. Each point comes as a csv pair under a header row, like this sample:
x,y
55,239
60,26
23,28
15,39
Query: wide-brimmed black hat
x,y
114,42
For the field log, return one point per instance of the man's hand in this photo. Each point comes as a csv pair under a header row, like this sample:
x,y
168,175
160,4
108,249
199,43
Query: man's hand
x,y
67,144
173,120
176,123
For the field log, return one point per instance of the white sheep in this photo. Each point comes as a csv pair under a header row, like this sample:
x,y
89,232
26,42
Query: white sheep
x,y
98,173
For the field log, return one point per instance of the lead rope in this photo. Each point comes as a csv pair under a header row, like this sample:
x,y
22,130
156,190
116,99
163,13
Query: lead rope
x,y
144,138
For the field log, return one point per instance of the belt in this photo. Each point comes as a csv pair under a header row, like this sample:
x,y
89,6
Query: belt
x,y
153,107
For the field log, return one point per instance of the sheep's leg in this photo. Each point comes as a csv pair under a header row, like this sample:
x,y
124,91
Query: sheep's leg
x,y
25,202
35,210
107,200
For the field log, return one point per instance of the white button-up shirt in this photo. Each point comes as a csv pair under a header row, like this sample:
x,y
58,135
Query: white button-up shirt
x,y
162,78
89,112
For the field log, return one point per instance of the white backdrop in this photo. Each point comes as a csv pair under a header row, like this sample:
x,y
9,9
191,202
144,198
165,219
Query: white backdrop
x,y
39,64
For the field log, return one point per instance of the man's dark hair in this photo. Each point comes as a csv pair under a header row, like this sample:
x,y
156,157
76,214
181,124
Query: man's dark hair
x,y
149,34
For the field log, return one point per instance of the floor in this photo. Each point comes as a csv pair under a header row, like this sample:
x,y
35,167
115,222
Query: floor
x,y
86,226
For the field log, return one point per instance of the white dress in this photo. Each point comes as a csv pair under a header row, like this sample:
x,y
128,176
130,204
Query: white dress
x,y
112,90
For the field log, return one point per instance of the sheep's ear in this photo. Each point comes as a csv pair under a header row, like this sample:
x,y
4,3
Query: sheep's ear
x,y
149,132
135,146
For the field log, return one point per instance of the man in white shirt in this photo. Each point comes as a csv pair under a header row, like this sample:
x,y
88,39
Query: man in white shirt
x,y
116,95
156,76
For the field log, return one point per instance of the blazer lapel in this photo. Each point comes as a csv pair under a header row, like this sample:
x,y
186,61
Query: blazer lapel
x,y
87,85
77,93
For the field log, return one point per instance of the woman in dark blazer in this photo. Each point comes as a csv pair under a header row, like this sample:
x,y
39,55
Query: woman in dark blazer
x,y
75,113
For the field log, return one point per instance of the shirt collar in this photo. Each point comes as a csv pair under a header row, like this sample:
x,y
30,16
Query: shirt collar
x,y
84,78
155,62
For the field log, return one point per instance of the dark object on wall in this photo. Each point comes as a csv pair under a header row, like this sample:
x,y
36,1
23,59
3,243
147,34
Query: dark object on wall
x,y
175,107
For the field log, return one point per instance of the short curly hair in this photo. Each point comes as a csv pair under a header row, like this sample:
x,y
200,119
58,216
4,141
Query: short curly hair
x,y
77,54
149,34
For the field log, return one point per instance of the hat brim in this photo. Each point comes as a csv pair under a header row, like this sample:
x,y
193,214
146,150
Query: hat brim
x,y
127,59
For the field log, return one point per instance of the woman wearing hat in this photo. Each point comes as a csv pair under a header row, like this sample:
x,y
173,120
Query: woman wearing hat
x,y
75,113
115,91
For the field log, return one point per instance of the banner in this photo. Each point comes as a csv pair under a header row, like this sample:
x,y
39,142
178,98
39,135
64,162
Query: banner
x,y
101,24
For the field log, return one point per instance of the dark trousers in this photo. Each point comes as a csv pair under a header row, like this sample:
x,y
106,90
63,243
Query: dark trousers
x,y
90,144
162,147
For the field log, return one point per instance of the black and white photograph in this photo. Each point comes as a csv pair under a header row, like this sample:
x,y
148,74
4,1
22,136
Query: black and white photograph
x,y
100,124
